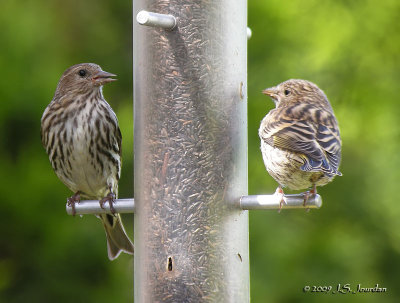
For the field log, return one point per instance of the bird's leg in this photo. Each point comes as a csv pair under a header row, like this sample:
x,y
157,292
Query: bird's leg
x,y
309,193
110,198
76,198
279,192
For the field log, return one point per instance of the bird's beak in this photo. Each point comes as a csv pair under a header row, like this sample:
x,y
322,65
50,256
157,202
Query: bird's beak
x,y
103,77
269,92
272,92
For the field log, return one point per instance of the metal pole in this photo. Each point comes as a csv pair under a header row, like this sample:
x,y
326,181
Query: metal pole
x,y
190,131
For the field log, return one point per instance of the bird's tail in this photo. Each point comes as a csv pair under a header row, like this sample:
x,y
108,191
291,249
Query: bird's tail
x,y
117,239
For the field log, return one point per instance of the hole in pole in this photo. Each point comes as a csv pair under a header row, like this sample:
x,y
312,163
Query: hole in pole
x,y
241,93
169,264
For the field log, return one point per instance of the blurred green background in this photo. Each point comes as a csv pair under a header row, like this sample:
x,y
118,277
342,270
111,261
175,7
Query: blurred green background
x,y
351,49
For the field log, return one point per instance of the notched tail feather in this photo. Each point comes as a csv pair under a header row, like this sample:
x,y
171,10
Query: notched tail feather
x,y
117,239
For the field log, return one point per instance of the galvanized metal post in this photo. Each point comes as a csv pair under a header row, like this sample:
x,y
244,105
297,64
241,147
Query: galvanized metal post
x,y
190,133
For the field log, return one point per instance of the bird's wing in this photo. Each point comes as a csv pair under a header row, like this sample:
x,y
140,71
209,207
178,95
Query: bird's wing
x,y
117,145
116,139
118,135
310,131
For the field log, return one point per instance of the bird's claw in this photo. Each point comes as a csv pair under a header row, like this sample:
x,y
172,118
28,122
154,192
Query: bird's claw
x,y
308,194
76,198
110,198
279,192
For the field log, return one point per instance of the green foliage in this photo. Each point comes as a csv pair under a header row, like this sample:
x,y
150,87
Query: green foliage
x,y
45,255
349,48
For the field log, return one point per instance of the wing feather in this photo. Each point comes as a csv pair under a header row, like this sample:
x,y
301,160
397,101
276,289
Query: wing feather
x,y
308,130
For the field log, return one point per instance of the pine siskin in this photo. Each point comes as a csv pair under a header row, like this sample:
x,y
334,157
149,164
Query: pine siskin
x,y
81,135
300,139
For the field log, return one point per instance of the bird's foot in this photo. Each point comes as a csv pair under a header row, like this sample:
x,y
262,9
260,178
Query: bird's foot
x,y
110,198
308,194
76,198
279,192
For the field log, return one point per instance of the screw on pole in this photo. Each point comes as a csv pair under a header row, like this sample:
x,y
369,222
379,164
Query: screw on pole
x,y
167,22
249,33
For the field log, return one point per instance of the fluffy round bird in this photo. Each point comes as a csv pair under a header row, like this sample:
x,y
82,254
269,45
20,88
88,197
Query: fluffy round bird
x,y
80,133
300,139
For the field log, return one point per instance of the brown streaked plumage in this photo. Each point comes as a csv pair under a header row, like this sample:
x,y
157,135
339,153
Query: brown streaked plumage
x,y
81,135
300,139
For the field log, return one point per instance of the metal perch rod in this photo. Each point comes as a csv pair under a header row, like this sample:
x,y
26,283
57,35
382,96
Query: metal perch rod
x,y
88,207
156,20
274,201
92,207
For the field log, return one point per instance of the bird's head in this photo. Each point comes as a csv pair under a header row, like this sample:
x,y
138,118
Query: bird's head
x,y
296,91
83,78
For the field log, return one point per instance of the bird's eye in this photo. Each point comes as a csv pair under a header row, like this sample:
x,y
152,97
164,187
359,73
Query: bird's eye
x,y
287,92
82,73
